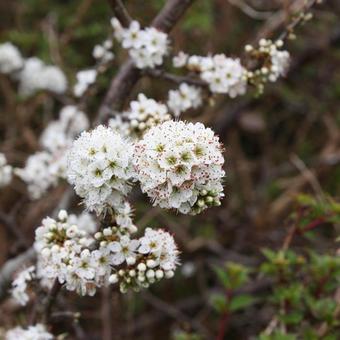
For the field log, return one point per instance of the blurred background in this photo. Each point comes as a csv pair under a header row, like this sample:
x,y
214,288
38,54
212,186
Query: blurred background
x,y
277,146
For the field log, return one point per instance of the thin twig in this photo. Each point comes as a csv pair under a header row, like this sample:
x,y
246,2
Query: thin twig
x,y
158,73
250,11
50,300
297,21
120,12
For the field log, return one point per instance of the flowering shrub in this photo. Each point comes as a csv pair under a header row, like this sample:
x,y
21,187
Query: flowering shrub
x,y
106,154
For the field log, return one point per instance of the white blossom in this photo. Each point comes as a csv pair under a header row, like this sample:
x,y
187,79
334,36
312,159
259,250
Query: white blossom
x,y
20,283
63,253
279,64
224,75
142,115
44,168
10,58
59,134
123,250
100,168
147,47
180,59
118,29
275,61
102,52
184,98
85,78
5,171
36,332
179,165
84,221
37,174
36,76
161,248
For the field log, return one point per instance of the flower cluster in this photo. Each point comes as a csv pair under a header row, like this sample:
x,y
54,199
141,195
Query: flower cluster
x,y
179,165
144,113
36,332
83,264
84,221
273,62
20,284
100,168
224,75
85,78
147,47
63,254
36,76
185,98
145,261
5,171
37,174
32,73
43,169
10,58
102,52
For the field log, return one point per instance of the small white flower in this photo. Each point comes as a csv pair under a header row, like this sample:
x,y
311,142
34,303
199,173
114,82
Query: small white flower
x,y
36,332
184,98
123,249
36,76
19,285
180,59
5,171
147,47
10,58
85,78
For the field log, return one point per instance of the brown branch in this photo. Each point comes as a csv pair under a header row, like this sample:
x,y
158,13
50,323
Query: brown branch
x,y
120,12
158,73
50,300
128,75
107,310
170,14
11,226
298,20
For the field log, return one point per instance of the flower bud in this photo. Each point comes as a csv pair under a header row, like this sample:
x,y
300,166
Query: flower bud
x,y
113,278
159,274
62,216
131,260
150,274
141,267
151,263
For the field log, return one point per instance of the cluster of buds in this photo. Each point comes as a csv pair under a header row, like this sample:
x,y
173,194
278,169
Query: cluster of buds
x,y
271,62
102,53
206,199
148,260
141,276
143,114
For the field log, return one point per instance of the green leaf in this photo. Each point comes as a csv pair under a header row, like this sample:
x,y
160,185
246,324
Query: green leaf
x,y
222,276
241,302
219,302
278,336
292,318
